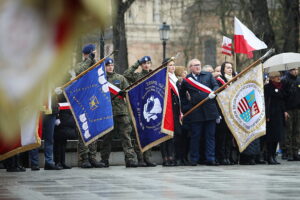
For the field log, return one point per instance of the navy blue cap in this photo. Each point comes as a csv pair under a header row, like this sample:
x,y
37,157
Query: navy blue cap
x,y
87,49
109,61
145,59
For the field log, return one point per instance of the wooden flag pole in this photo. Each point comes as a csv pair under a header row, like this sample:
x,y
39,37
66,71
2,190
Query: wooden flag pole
x,y
270,52
88,69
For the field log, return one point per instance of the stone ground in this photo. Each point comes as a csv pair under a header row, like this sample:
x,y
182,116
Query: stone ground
x,y
117,182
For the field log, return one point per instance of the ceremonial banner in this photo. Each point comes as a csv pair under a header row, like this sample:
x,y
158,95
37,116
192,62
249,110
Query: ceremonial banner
x,y
28,137
243,107
150,106
37,41
90,102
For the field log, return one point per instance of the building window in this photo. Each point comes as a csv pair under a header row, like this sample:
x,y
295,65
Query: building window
x,y
210,52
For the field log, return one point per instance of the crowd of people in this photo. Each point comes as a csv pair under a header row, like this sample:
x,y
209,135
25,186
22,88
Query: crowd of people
x,y
202,137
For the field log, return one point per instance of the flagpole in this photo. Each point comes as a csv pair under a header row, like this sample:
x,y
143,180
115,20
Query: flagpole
x,y
270,52
87,70
234,57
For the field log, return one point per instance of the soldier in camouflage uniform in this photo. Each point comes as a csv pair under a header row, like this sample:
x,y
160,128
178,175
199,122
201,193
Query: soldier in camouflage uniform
x,y
87,154
132,76
121,120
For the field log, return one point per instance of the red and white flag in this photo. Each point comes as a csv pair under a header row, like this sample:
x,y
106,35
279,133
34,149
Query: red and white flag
x,y
28,137
244,40
227,46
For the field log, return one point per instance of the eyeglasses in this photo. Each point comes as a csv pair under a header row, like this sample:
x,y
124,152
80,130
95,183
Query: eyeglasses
x,y
196,65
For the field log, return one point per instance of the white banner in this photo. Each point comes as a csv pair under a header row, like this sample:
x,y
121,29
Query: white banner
x,y
243,107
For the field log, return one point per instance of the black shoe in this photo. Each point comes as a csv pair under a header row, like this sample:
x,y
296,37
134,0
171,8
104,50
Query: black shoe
x,y
64,166
275,160
180,163
150,164
52,167
96,164
142,164
224,162
105,163
192,163
21,168
262,162
271,161
212,163
14,169
35,168
86,164
130,164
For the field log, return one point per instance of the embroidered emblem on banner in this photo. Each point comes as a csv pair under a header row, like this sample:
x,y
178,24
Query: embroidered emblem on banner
x,y
245,106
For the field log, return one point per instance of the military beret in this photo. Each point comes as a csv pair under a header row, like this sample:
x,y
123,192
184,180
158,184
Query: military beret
x,y
87,49
109,61
145,59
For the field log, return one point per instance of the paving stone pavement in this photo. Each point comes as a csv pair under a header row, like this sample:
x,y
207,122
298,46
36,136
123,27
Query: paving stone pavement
x,y
117,182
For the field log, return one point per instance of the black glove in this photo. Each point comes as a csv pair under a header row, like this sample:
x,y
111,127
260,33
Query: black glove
x,y
122,93
92,55
138,61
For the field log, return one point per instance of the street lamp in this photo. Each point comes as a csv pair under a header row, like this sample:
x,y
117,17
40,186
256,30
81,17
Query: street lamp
x,y
164,30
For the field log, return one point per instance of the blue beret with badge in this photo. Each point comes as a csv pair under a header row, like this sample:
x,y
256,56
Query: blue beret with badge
x,y
145,59
109,61
87,49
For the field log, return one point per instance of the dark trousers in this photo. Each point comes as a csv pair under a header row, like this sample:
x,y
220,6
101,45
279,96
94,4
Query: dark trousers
x,y
206,129
59,151
167,149
181,142
223,142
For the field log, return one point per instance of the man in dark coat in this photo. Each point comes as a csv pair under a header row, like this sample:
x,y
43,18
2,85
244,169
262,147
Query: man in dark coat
x,y
291,87
199,85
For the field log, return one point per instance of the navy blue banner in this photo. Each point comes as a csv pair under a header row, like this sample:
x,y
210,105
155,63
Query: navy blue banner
x,y
147,104
90,102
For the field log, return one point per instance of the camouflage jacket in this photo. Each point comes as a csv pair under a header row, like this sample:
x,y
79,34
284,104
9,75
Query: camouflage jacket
x,y
132,76
85,64
119,105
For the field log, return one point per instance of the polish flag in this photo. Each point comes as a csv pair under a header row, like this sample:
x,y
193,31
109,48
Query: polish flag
x,y
244,40
26,138
226,46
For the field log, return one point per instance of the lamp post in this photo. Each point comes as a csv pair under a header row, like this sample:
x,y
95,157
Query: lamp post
x,y
164,30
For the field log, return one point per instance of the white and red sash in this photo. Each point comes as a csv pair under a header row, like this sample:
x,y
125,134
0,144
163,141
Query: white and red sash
x,y
198,85
64,106
221,80
114,90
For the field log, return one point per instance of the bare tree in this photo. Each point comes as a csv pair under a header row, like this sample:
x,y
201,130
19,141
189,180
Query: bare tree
x,y
291,28
119,34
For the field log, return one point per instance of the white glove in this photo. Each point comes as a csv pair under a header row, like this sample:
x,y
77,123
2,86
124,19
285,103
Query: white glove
x,y
57,122
58,90
218,121
211,95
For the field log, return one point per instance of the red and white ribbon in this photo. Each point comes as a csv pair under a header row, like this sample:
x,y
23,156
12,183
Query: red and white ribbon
x,y
114,90
64,106
198,85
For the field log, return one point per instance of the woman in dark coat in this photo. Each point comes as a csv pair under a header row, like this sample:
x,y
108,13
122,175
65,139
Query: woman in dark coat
x,y
64,130
224,139
167,148
275,115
